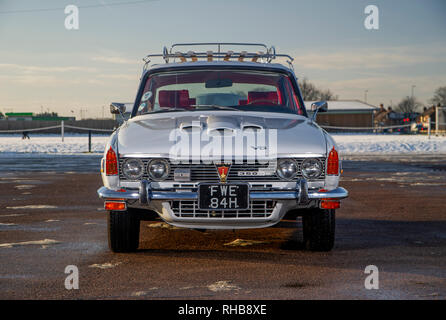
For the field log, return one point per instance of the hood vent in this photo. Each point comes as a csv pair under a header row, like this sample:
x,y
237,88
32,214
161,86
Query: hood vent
x,y
222,125
221,132
189,127
252,127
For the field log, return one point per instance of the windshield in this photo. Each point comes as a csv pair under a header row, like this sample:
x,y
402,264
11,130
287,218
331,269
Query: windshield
x,y
220,90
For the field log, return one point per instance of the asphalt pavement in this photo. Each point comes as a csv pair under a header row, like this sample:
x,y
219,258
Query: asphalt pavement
x,y
395,219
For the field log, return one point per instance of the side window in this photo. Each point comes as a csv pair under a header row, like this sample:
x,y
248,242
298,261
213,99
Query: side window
x,y
147,98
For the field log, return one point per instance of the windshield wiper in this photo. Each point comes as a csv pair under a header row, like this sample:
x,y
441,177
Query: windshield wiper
x,y
206,106
167,110
215,106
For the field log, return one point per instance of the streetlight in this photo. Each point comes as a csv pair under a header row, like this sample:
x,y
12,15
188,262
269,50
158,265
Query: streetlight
x,y
412,97
365,95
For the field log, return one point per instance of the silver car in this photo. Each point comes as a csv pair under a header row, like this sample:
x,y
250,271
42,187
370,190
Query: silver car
x,y
219,139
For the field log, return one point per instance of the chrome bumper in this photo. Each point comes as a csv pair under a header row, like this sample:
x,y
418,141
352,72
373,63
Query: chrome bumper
x,y
145,194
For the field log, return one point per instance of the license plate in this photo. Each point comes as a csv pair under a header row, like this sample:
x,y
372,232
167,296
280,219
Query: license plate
x,y
223,196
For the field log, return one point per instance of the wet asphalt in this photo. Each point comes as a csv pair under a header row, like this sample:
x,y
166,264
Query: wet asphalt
x,y
51,217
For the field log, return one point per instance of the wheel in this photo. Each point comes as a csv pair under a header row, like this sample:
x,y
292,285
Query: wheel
x,y
319,229
123,231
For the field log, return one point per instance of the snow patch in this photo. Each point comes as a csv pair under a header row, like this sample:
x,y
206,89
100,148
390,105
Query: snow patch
x,y
348,144
143,293
223,286
353,144
52,144
24,186
106,265
44,242
427,184
13,215
244,243
162,225
32,206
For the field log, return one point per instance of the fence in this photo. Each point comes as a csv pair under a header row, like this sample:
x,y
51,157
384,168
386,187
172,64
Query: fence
x,y
62,128
20,126
383,129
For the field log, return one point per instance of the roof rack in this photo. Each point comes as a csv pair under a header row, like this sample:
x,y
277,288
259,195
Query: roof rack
x,y
267,55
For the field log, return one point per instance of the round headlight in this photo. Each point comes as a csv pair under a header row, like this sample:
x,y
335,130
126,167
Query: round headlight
x,y
158,169
311,168
286,169
133,168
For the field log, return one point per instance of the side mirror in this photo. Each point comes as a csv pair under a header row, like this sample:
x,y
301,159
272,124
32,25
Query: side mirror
x,y
320,106
117,108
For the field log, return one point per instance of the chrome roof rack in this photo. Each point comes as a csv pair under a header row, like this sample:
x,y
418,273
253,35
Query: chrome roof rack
x,y
267,55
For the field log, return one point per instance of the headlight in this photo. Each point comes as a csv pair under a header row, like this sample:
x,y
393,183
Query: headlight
x,y
158,169
133,168
311,168
286,169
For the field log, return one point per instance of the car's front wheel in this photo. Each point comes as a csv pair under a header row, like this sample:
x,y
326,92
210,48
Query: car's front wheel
x,y
123,230
319,229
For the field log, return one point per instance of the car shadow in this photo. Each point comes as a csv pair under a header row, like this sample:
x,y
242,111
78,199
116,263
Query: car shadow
x,y
351,234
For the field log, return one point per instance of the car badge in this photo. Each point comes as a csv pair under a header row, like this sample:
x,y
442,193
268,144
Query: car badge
x,y
223,171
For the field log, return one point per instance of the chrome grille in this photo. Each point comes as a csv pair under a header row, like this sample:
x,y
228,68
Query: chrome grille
x,y
189,209
208,172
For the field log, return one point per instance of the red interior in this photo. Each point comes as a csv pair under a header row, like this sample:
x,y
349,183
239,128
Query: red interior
x,y
263,97
175,99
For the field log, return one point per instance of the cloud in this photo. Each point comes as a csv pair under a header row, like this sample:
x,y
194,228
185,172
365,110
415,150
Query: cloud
x,y
33,69
383,89
388,73
122,76
369,58
114,60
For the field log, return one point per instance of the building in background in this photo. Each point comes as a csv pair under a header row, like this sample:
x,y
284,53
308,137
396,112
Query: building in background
x,y
346,113
19,116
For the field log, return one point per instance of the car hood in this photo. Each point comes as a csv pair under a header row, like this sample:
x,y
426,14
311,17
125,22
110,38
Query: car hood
x,y
154,134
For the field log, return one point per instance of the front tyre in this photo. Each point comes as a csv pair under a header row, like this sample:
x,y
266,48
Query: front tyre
x,y
319,229
123,231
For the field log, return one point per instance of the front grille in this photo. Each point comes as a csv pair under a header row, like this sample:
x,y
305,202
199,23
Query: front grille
x,y
189,209
208,172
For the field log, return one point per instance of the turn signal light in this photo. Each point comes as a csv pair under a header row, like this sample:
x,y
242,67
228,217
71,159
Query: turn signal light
x,y
330,204
115,206
111,163
333,162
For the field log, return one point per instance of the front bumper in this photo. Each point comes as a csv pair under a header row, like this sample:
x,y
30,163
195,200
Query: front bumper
x,y
145,194
300,196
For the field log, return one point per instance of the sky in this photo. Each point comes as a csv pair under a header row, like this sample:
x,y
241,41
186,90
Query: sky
x,y
46,67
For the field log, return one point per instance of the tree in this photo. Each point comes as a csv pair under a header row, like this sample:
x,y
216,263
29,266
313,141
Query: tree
x,y
439,97
311,93
408,105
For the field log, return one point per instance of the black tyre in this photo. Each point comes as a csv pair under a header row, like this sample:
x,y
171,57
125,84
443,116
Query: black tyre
x,y
123,231
319,229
